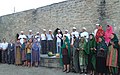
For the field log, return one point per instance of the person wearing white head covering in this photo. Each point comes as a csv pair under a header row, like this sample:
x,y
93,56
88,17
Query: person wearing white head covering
x,y
37,36
58,43
22,37
50,38
95,31
30,35
67,34
44,42
74,34
84,33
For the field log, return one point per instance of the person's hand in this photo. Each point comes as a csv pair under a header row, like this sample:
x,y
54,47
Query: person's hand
x,y
71,45
91,48
78,49
101,49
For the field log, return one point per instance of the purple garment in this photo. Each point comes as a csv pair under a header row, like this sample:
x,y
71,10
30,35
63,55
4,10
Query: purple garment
x,y
35,52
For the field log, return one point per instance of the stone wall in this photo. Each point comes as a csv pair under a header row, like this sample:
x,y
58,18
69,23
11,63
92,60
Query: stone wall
x,y
62,15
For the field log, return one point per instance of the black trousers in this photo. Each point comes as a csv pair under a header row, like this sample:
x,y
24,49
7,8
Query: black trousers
x,y
44,46
4,56
11,57
51,46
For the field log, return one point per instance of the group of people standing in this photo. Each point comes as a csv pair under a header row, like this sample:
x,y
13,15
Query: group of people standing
x,y
93,53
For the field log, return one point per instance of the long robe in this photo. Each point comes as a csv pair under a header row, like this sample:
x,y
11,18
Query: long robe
x,y
112,56
17,54
91,53
83,54
75,55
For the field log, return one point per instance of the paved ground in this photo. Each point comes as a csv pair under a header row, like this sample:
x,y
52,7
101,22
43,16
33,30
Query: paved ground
x,y
19,70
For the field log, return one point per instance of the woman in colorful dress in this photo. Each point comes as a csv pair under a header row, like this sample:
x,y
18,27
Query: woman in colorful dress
x,y
92,54
112,56
28,52
65,52
23,53
17,53
99,33
108,33
101,56
35,53
83,55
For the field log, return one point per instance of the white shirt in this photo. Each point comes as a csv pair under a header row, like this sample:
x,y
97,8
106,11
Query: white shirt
x,y
85,34
4,45
21,37
58,36
49,37
68,35
95,31
38,38
75,33
43,37
29,36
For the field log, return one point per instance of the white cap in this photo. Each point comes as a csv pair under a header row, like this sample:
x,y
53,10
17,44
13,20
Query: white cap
x,y
30,30
74,27
66,30
50,30
44,29
22,31
37,32
58,30
84,28
97,24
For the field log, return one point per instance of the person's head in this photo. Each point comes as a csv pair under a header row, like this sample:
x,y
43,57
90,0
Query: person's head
x,y
83,29
91,36
31,40
25,40
66,31
58,31
4,40
35,40
18,40
101,39
30,32
82,39
44,31
64,37
50,31
37,33
97,26
11,41
100,27
22,32
74,29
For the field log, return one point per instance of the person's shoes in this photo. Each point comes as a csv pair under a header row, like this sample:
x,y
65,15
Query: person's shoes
x,y
64,70
67,71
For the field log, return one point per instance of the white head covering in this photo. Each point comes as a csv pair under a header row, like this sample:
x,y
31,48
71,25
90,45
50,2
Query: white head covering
x,y
37,32
74,27
22,31
44,29
50,30
30,30
58,30
97,24
84,28
66,30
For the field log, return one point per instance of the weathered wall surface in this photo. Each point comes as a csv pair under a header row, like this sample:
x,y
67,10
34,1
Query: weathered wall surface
x,y
62,15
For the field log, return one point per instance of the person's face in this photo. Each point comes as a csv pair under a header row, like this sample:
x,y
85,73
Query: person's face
x,y
74,30
64,37
21,33
82,39
30,32
50,32
112,36
18,41
100,39
108,27
4,40
30,40
97,26
91,36
58,32
66,32
24,40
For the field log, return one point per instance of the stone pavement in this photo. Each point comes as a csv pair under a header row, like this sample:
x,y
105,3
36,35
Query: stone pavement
x,y
6,69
